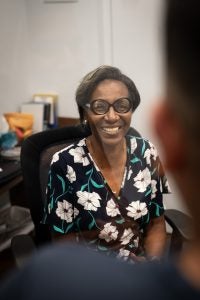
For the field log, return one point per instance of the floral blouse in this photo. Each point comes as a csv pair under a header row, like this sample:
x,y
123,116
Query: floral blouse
x,y
79,200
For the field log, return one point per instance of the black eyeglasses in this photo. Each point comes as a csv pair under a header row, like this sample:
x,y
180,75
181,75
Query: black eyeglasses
x,y
101,107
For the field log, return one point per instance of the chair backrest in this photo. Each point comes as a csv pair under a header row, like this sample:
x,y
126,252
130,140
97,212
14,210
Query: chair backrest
x,y
36,154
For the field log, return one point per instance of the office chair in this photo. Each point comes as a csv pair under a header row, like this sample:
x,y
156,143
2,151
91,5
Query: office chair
x,y
36,154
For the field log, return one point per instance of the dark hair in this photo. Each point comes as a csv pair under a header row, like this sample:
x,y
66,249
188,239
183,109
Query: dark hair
x,y
92,79
183,71
183,56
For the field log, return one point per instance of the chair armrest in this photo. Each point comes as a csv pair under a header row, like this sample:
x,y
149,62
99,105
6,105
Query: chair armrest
x,y
181,225
180,222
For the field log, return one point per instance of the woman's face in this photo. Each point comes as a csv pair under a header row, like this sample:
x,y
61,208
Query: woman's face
x,y
111,127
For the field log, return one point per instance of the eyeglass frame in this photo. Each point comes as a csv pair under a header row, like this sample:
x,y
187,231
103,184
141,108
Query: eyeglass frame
x,y
90,106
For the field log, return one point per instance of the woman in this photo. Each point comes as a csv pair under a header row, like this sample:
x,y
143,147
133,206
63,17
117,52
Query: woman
x,y
106,189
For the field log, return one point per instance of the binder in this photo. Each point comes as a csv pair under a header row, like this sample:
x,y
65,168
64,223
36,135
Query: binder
x,y
43,107
51,101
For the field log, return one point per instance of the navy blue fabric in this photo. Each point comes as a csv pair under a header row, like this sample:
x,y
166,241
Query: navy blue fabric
x,y
74,272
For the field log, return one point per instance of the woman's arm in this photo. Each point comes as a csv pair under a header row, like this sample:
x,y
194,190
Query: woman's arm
x,y
155,237
71,237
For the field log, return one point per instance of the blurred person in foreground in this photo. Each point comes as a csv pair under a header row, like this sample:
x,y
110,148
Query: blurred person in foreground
x,y
106,190
69,271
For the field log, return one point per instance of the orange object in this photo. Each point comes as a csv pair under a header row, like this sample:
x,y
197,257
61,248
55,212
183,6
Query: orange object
x,y
21,123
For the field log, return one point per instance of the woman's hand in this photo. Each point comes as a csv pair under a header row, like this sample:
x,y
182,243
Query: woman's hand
x,y
155,237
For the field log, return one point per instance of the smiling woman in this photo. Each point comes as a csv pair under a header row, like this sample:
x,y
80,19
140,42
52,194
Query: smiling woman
x,y
106,189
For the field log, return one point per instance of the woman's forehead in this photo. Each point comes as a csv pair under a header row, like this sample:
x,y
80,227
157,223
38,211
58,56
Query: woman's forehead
x,y
110,88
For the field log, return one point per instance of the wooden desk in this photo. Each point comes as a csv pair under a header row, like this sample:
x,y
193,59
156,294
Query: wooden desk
x,y
65,121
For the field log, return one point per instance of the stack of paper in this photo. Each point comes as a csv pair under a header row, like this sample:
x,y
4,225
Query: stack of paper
x,y
44,110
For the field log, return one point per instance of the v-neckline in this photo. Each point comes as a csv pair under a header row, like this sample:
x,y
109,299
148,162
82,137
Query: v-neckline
x,y
117,197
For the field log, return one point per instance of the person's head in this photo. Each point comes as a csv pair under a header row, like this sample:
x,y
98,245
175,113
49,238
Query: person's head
x,y
106,98
183,60
92,79
177,120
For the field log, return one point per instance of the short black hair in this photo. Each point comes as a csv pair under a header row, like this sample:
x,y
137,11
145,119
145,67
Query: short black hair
x,y
93,78
183,44
182,38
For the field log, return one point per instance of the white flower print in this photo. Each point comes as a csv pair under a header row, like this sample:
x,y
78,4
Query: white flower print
x,y
112,209
49,208
133,145
109,233
71,175
165,187
137,209
64,211
147,155
127,236
136,242
90,201
123,253
81,143
154,152
150,153
142,180
76,212
129,174
79,156
56,155
153,189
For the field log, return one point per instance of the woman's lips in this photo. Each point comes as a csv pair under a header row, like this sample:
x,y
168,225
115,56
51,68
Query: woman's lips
x,y
111,130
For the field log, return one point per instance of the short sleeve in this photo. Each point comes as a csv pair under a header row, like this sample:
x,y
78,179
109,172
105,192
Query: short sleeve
x,y
159,185
59,210
163,180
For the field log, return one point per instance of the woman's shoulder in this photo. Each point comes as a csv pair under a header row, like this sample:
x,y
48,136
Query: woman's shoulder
x,y
64,153
142,148
140,141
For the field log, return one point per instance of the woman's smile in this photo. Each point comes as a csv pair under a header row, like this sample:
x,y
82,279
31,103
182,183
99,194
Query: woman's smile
x,y
110,127
111,130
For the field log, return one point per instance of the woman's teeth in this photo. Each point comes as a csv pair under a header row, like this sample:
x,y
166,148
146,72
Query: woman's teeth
x,y
111,130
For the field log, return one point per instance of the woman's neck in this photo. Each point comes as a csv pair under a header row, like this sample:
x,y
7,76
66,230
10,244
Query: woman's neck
x,y
107,155
111,161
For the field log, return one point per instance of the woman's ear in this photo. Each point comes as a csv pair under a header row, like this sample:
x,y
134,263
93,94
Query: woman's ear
x,y
170,134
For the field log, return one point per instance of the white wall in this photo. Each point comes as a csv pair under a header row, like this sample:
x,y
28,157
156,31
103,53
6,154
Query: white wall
x,y
137,50
65,42
13,55
50,47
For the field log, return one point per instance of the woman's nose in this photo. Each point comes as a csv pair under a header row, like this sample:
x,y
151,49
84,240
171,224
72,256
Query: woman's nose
x,y
111,115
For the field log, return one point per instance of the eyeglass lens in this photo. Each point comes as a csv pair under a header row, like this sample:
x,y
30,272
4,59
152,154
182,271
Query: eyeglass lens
x,y
100,106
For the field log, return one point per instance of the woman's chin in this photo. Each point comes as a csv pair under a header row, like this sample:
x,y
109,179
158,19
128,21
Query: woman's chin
x,y
112,139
